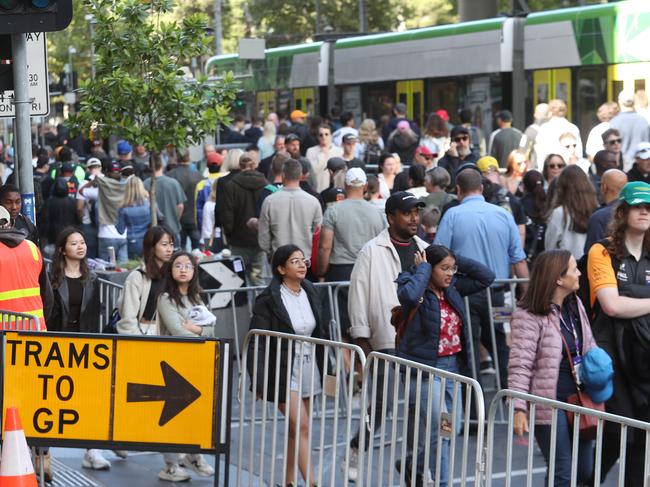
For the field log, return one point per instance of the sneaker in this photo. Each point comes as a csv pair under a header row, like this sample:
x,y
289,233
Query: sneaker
x,y
121,453
47,466
197,463
174,473
353,465
94,460
487,368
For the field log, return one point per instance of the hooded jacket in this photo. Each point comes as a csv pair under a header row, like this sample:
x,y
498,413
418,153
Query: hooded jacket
x,y
61,210
239,206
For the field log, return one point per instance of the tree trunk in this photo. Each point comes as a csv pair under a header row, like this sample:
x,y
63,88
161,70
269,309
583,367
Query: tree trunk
x,y
152,190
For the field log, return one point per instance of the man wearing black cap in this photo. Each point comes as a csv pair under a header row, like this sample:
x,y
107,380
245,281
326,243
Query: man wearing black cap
x,y
460,152
373,293
336,168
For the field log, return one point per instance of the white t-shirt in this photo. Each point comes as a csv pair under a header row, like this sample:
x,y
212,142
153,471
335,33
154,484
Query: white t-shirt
x,y
90,194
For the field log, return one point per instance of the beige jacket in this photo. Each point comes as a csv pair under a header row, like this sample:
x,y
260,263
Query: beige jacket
x,y
319,177
373,292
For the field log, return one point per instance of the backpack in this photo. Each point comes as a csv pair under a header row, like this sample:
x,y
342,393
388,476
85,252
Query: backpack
x,y
584,292
372,154
534,238
400,320
39,202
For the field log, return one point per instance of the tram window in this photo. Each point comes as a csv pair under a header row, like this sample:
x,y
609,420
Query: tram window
x,y
417,103
591,93
402,98
378,99
297,104
639,85
617,86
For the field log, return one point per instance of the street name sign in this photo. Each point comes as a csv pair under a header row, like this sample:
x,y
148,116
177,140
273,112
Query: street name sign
x,y
36,77
118,391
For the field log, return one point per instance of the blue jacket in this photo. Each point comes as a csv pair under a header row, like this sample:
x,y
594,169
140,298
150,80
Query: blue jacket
x,y
135,219
420,340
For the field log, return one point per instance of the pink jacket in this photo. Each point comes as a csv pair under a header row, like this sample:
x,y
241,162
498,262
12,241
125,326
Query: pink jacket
x,y
536,353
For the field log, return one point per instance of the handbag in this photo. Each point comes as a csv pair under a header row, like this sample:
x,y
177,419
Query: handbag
x,y
588,424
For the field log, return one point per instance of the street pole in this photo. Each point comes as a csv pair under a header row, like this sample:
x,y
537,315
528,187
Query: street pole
x,y
91,27
363,25
317,16
22,102
218,31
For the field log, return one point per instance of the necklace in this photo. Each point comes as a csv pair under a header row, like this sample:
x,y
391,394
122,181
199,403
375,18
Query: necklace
x,y
293,292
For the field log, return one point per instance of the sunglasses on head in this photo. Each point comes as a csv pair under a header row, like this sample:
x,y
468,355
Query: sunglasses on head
x,y
461,138
614,141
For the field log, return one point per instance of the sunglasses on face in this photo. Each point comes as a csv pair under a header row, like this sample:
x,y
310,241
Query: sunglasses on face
x,y
428,158
614,141
461,138
297,261
552,165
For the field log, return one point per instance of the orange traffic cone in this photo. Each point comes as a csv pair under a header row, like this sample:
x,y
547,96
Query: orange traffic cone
x,y
16,469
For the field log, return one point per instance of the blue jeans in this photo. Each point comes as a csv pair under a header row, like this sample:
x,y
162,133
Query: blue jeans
x,y
121,253
449,364
563,447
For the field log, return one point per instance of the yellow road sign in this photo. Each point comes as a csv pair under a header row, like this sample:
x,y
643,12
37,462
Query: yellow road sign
x,y
132,391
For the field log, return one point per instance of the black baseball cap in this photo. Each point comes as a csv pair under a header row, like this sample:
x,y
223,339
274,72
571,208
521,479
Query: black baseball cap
x,y
403,201
291,138
336,164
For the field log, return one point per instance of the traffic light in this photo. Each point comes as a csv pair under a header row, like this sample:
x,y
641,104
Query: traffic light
x,y
6,65
22,16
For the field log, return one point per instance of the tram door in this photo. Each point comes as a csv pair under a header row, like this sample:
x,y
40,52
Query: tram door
x,y
265,102
411,93
304,99
631,77
552,84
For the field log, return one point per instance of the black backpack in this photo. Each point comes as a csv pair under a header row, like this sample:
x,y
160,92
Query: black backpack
x,y
584,293
372,154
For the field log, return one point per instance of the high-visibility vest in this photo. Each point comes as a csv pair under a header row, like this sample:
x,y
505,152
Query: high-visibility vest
x,y
20,290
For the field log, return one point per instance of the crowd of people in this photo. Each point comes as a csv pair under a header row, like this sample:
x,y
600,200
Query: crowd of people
x,y
412,217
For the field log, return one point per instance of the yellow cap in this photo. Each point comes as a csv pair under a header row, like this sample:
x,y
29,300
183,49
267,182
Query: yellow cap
x,y
485,162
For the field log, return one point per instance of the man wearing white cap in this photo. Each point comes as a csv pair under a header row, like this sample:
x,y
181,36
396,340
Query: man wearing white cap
x,y
633,128
641,169
347,226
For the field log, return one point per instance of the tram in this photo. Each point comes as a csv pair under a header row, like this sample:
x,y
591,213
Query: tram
x,y
583,55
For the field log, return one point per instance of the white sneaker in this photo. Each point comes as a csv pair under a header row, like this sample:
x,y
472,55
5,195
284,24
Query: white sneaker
x,y
94,460
353,465
174,473
197,463
121,453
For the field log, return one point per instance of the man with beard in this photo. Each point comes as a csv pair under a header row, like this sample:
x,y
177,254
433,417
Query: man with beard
x,y
459,152
373,293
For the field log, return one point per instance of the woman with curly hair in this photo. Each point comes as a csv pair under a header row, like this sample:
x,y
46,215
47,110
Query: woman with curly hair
x,y
569,210
618,270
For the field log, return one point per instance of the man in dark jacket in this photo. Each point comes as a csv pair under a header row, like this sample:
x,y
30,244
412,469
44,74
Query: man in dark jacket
x,y
458,154
641,168
11,199
237,214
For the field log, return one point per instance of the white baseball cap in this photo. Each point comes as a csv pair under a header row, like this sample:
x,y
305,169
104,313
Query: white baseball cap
x,y
355,177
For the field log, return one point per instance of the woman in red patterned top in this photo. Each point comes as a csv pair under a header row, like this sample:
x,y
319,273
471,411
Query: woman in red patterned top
x,y
437,336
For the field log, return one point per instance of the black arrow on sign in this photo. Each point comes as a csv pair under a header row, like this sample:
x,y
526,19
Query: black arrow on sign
x,y
177,393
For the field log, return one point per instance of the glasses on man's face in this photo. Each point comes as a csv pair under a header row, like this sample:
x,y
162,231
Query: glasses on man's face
x,y
552,165
297,261
450,270
614,141
323,134
461,138
184,267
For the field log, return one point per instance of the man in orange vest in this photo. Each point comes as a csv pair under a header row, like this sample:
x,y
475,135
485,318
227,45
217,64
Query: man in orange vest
x,y
21,266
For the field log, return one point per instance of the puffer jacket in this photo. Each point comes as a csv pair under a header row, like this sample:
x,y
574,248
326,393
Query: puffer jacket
x,y
422,335
536,353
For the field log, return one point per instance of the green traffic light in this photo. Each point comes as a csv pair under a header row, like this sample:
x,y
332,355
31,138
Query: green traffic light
x,y
41,3
8,4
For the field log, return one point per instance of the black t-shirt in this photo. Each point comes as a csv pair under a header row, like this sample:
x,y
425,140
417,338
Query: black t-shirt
x,y
517,208
406,252
75,296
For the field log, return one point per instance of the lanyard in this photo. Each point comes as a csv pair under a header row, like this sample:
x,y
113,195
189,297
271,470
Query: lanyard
x,y
572,330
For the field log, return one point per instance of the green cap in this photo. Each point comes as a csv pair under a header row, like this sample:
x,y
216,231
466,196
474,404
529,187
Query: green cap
x,y
635,193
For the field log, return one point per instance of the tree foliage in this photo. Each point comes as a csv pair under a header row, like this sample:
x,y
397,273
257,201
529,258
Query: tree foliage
x,y
140,92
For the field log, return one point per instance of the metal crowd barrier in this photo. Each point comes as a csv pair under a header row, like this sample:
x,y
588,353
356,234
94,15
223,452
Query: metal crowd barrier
x,y
619,424
275,444
10,320
429,423
109,294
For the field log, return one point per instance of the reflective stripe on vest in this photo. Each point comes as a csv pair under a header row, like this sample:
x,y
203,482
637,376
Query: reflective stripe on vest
x,y
34,249
29,292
